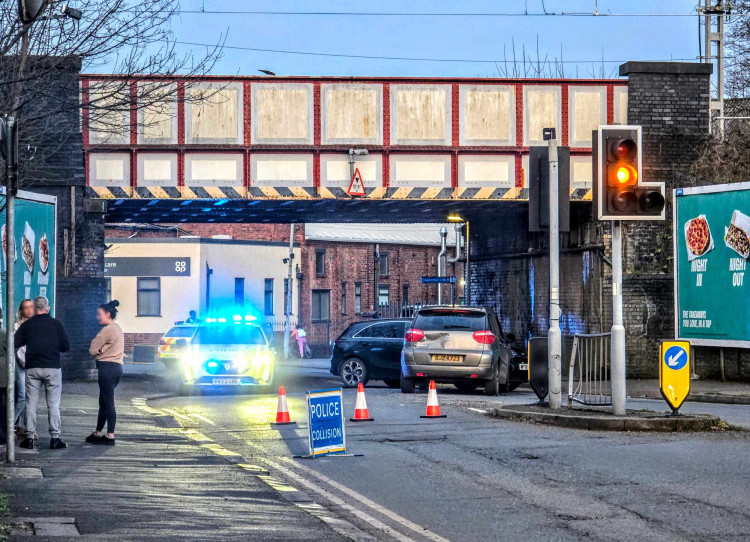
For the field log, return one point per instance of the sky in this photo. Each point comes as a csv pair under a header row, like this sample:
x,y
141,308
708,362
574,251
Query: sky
x,y
583,41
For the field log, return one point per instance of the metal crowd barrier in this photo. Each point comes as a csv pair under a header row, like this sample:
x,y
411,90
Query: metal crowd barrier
x,y
589,375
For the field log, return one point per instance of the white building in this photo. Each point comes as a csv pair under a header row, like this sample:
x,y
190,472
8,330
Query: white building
x,y
159,281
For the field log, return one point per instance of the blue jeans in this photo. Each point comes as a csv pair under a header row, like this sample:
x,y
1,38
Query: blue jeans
x,y
21,396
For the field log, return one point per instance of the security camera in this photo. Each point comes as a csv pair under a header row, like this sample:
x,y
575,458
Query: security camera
x,y
73,13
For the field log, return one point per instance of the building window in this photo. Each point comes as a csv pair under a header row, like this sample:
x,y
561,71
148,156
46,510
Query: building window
x,y
268,297
320,262
383,294
357,298
405,294
383,264
149,296
108,282
286,296
343,298
239,293
321,305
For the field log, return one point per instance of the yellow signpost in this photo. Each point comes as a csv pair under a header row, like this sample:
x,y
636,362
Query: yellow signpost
x,y
674,372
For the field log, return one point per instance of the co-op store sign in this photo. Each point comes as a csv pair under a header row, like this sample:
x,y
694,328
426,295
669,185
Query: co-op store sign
x,y
712,248
173,266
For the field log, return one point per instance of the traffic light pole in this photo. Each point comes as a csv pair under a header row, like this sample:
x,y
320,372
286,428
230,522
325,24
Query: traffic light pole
x,y
618,329
554,337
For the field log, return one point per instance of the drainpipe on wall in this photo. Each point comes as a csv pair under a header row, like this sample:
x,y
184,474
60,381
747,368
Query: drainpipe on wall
x,y
289,290
376,261
441,261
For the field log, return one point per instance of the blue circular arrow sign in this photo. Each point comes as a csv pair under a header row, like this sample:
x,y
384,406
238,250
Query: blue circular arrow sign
x,y
675,357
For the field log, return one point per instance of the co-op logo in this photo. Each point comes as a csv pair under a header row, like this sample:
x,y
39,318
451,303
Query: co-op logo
x,y
676,357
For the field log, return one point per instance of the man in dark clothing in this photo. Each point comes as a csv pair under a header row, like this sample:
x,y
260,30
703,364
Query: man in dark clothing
x,y
3,379
44,339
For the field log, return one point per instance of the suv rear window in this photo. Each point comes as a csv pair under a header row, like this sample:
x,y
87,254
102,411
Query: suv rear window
x,y
450,319
181,331
230,334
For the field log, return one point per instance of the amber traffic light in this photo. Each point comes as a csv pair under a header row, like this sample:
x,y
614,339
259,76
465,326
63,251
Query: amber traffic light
x,y
619,190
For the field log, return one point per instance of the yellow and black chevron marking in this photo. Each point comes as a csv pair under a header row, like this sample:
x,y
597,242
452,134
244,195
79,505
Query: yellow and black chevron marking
x,y
322,193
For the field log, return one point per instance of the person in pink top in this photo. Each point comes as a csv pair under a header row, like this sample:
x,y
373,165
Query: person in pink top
x,y
108,348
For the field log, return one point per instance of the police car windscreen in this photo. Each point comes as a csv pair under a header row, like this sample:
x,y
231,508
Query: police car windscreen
x,y
450,319
181,331
230,334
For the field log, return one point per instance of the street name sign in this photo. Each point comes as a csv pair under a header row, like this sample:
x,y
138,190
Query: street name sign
x,y
325,416
711,251
438,280
674,372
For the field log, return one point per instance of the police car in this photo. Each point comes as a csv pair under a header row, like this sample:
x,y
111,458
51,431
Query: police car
x,y
173,344
227,353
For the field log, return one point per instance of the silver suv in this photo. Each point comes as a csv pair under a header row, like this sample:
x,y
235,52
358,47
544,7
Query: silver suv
x,y
464,346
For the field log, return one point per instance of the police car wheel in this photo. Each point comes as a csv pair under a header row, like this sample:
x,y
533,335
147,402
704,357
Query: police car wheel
x,y
353,372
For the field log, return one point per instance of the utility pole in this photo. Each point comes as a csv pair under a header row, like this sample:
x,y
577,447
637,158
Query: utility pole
x,y
289,293
554,336
618,329
11,185
713,36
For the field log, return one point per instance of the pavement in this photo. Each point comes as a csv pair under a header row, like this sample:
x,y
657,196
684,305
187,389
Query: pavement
x,y
701,391
212,467
155,484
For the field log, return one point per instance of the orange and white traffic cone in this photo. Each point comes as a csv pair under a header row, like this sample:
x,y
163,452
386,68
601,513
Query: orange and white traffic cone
x,y
361,414
282,410
433,408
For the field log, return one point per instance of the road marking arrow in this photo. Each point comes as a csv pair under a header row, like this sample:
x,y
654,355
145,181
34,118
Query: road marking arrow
x,y
672,360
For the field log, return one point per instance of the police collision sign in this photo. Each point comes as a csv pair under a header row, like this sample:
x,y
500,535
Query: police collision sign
x,y
325,416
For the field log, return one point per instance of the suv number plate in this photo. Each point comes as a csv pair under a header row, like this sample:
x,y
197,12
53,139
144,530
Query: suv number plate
x,y
444,357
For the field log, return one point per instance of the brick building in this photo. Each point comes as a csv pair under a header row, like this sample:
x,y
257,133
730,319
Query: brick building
x,y
346,272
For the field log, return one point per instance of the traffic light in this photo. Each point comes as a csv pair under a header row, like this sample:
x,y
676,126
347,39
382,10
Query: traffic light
x,y
539,188
620,193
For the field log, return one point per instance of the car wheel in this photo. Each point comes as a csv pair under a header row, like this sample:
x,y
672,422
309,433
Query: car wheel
x,y
407,385
466,387
353,372
492,387
392,382
187,389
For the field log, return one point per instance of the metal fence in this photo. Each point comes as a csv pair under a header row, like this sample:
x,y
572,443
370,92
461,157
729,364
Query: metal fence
x,y
589,376
396,309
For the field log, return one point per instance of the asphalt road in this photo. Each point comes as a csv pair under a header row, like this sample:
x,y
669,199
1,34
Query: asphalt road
x,y
471,477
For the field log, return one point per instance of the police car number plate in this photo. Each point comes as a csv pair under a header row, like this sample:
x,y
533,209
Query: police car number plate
x,y
226,381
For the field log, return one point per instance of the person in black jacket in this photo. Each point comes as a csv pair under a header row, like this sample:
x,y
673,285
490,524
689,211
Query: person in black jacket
x,y
44,339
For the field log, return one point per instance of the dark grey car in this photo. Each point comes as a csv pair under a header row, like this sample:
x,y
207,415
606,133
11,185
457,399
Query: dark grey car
x,y
464,346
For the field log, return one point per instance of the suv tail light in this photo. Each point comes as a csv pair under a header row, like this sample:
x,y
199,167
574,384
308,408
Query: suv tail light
x,y
484,337
413,335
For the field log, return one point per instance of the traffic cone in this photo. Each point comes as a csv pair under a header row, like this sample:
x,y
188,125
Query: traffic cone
x,y
433,408
282,410
361,414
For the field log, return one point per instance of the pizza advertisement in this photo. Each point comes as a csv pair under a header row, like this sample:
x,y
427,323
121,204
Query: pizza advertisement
x,y
737,234
698,238
711,236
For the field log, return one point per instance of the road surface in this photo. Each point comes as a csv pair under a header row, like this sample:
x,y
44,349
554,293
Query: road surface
x,y
471,477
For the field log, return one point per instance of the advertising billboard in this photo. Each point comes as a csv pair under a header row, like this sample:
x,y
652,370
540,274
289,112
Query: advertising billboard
x,y
32,247
712,248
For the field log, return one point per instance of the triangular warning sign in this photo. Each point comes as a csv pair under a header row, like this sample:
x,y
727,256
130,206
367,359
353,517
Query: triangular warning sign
x,y
356,187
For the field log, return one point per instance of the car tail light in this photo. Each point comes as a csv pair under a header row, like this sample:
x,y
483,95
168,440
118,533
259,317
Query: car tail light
x,y
484,337
414,335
